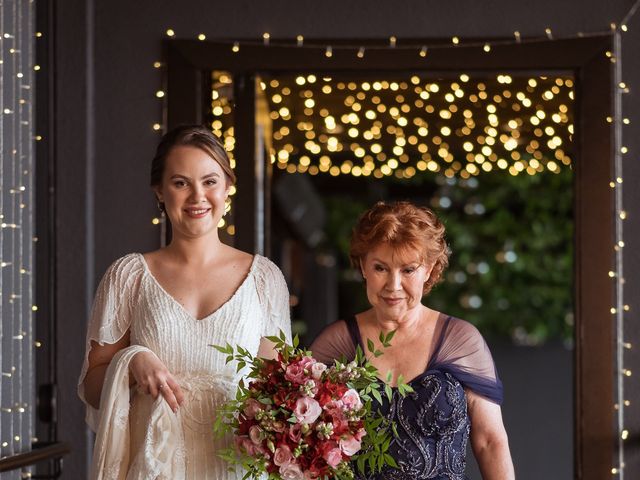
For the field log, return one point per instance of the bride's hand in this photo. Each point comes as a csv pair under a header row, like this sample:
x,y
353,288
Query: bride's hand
x,y
153,378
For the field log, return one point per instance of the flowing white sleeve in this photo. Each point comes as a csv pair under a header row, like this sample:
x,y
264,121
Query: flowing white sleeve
x,y
274,296
111,315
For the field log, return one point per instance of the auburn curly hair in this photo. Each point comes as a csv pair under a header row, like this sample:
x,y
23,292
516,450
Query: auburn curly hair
x,y
407,228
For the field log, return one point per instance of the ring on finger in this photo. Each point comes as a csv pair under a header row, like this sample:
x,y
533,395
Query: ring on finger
x,y
161,386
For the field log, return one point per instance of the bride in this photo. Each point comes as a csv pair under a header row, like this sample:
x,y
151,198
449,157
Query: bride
x,y
151,380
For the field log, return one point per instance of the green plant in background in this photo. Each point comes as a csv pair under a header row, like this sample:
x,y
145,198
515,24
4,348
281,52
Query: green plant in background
x,y
511,268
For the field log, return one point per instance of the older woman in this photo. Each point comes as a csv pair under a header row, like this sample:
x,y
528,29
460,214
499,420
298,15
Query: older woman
x,y
151,380
401,251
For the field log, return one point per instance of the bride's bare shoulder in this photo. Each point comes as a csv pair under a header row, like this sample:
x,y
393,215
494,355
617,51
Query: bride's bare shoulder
x,y
237,257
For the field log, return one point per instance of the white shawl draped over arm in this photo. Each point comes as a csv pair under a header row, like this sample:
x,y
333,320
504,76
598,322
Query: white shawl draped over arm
x,y
161,454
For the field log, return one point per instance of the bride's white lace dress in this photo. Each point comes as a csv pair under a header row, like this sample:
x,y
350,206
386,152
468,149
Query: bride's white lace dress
x,y
139,438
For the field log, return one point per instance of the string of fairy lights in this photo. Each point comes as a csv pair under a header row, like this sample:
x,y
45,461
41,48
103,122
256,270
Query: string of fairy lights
x,y
17,138
618,273
620,310
493,150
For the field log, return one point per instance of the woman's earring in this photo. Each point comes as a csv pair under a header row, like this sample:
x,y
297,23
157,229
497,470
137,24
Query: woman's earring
x,y
160,206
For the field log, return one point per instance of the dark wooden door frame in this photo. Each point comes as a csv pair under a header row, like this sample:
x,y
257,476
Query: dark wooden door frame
x,y
189,61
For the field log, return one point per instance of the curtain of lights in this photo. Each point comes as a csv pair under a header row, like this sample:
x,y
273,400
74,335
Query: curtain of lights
x,y
16,235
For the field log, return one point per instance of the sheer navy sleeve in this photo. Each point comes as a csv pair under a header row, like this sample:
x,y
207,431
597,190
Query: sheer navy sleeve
x,y
463,352
335,342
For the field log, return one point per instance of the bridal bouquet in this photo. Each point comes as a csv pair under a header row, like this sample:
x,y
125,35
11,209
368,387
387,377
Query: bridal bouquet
x,y
296,418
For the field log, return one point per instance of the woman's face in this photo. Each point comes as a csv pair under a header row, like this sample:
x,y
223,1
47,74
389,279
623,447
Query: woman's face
x,y
194,189
394,283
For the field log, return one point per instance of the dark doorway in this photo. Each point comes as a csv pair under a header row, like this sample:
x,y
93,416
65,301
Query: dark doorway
x,y
189,80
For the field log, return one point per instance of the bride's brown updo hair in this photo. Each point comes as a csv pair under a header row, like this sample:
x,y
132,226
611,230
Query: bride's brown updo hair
x,y
409,230
196,136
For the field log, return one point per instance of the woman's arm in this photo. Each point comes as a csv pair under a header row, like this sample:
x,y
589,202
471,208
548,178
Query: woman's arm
x,y
99,358
146,370
489,439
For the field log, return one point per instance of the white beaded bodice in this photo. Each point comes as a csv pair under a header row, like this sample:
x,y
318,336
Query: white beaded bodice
x,y
130,298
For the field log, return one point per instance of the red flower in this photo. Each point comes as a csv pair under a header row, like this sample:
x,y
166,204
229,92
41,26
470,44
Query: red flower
x,y
330,391
318,467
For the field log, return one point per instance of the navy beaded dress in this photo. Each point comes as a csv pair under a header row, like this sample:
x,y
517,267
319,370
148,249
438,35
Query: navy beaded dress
x,y
432,422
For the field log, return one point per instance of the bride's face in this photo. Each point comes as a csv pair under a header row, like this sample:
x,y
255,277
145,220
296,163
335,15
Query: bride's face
x,y
194,190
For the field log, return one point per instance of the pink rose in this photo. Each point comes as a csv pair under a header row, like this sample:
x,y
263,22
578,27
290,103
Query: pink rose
x,y
295,373
291,471
332,456
277,426
360,433
309,475
351,399
251,407
307,410
317,369
243,444
282,456
295,432
256,434
350,446
307,364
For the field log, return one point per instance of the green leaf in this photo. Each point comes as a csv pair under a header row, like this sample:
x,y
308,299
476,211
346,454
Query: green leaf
x,y
370,346
372,462
228,349
359,355
390,336
377,396
385,445
375,424
390,460
387,390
